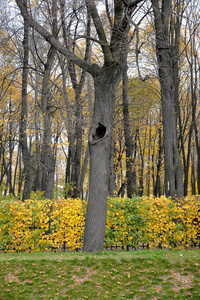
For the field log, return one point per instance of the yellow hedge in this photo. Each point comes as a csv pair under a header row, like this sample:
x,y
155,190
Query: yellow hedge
x,y
36,225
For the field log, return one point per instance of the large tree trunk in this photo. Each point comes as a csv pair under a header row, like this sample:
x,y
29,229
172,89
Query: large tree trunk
x,y
100,140
173,164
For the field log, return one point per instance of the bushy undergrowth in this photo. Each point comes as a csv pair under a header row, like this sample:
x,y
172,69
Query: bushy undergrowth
x,y
36,225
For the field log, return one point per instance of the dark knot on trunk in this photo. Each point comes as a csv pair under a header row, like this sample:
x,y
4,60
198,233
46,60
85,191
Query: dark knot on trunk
x,y
99,133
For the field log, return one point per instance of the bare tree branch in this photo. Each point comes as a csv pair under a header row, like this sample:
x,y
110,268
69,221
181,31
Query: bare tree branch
x,y
108,58
91,68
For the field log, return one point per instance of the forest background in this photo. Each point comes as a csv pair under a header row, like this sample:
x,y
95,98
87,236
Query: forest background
x,y
70,98
48,96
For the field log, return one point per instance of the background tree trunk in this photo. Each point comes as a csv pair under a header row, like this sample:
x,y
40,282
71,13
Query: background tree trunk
x,y
173,164
129,147
26,155
47,157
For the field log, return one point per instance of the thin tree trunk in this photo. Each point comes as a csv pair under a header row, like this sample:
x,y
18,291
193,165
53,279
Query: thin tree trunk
x,y
76,167
20,178
77,86
193,171
198,157
157,188
84,168
15,172
130,171
38,168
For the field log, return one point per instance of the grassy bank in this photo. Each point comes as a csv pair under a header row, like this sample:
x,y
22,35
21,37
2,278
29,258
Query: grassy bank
x,y
110,275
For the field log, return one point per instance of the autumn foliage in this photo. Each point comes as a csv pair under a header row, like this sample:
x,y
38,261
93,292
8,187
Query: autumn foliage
x,y
152,222
38,225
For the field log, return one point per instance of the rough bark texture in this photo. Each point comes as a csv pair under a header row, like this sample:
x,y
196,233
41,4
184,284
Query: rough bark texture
x,y
100,139
173,164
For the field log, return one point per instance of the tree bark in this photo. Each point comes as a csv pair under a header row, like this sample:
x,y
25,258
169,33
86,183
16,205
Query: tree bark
x,y
26,155
173,164
100,140
47,157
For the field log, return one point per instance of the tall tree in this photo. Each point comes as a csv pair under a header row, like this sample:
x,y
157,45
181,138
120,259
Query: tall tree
x,y
75,147
192,56
26,155
106,79
129,144
173,165
48,159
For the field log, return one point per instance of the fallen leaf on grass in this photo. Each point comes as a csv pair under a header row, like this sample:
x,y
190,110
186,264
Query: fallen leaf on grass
x,y
11,278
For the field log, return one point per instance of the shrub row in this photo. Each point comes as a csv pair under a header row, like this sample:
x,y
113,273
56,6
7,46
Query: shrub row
x,y
154,222
37,225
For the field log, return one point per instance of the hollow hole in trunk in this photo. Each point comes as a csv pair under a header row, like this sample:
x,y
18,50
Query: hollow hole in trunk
x,y
100,132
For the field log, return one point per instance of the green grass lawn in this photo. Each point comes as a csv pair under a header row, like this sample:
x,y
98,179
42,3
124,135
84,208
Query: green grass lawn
x,y
142,274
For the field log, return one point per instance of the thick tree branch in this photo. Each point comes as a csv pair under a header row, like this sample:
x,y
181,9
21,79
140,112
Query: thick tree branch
x,y
117,28
108,58
91,68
